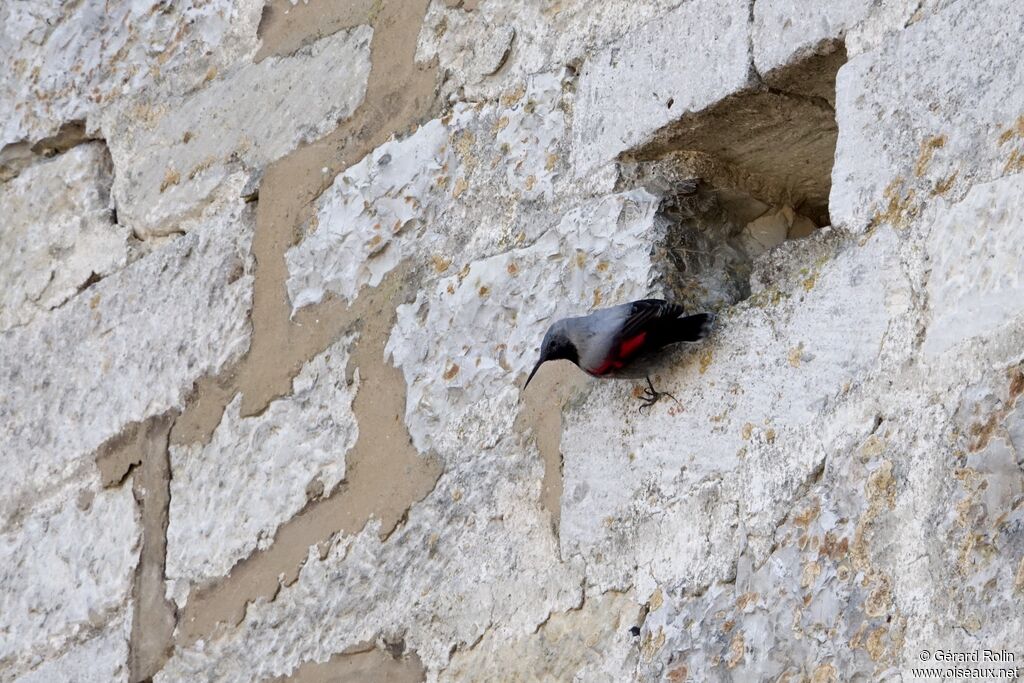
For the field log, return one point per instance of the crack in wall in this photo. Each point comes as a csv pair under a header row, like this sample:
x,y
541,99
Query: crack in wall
x,y
16,156
154,616
364,662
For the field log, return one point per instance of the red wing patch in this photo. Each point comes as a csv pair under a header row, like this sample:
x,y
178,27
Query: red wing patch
x,y
606,366
628,347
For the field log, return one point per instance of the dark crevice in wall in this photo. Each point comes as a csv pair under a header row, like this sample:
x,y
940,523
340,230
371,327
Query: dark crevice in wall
x,y
740,177
15,157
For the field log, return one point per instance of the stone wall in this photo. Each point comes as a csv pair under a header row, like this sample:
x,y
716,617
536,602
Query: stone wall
x,y
272,276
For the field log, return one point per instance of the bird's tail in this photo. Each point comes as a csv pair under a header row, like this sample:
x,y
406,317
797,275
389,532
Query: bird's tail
x,y
694,327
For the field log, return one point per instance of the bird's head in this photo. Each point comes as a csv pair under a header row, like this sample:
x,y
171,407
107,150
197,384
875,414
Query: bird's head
x,y
556,345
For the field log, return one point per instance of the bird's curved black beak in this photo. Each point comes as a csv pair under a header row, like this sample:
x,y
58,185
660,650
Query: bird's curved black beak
x,y
535,368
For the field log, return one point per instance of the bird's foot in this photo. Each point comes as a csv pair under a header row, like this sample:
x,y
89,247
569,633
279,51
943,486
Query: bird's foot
x,y
652,396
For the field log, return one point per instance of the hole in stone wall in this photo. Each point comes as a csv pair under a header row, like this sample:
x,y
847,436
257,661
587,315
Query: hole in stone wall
x,y
19,155
740,178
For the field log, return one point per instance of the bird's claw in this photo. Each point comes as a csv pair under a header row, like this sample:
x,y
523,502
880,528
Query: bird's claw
x,y
652,396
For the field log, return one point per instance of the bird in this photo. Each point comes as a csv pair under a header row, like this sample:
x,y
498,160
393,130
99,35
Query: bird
x,y
628,341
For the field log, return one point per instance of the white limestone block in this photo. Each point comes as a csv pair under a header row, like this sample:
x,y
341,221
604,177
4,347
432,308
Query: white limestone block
x,y
57,232
679,63
229,496
132,348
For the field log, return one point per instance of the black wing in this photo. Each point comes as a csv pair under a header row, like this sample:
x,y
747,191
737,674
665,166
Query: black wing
x,y
661,323
649,315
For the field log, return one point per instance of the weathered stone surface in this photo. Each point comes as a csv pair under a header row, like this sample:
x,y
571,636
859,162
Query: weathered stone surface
x,y
357,233
257,472
505,294
589,643
58,233
130,349
886,19
175,153
708,444
974,298
439,582
66,568
543,39
635,86
767,231
423,196
785,31
919,119
98,660
837,488
880,558
67,60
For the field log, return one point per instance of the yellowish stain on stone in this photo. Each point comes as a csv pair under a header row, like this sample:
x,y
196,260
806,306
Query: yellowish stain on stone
x,y
875,644
464,148
678,674
171,177
705,360
872,447
804,518
879,600
736,650
452,370
652,644
746,600
946,184
657,600
441,264
881,486
461,185
512,97
825,673
928,147
900,207
795,354
809,574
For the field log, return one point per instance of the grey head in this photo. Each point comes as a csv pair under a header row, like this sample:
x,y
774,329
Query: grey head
x,y
556,345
